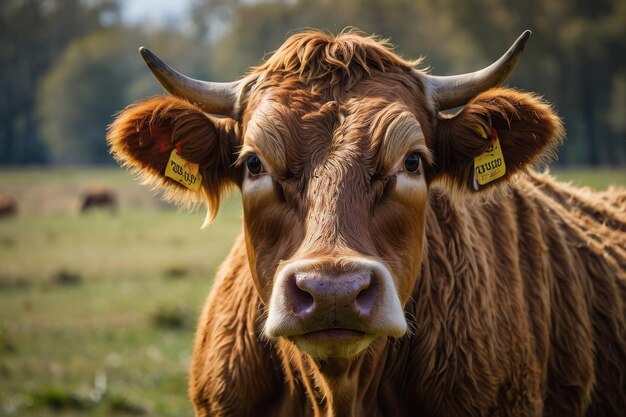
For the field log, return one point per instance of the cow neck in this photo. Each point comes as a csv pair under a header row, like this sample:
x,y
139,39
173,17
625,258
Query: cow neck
x,y
338,386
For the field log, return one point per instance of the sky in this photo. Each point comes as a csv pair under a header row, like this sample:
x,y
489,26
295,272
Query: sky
x,y
164,12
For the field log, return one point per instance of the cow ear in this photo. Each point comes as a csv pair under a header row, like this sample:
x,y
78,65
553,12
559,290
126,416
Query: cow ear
x,y
526,127
150,136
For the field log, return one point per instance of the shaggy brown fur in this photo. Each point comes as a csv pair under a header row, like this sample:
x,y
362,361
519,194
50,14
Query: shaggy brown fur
x,y
516,312
515,297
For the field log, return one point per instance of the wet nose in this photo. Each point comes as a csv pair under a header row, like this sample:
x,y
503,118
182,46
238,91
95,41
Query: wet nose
x,y
349,294
311,295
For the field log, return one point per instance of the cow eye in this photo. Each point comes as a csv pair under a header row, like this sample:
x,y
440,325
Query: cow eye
x,y
412,163
254,165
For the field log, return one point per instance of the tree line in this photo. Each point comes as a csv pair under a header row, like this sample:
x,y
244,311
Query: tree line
x,y
69,65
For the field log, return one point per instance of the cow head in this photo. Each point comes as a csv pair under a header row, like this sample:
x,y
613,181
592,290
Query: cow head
x,y
334,143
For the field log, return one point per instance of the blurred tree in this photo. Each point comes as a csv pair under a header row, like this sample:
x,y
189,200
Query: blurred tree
x,y
617,114
578,51
80,93
577,59
211,17
32,34
418,28
97,76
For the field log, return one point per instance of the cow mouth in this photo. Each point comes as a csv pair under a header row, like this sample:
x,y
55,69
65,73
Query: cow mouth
x,y
333,342
333,336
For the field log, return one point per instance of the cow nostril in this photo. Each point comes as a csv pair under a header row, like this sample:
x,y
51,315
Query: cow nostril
x,y
308,295
367,298
302,302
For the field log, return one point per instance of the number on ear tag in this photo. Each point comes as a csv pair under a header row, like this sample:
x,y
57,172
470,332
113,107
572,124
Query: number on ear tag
x,y
182,171
489,165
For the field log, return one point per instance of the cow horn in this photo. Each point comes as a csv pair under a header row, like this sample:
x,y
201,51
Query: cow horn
x,y
456,90
216,98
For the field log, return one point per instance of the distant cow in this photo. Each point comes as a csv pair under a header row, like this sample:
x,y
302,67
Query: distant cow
x,y
381,271
8,206
98,198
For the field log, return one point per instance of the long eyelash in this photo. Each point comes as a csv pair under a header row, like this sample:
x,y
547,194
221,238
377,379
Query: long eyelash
x,y
241,159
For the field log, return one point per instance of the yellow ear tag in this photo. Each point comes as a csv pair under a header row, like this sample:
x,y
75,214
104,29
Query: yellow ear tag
x,y
489,165
183,171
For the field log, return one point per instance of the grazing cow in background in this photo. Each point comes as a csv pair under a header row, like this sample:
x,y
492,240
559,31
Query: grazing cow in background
x,y
381,270
8,206
98,198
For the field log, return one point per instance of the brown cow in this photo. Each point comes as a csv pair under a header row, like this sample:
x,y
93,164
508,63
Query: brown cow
x,y
379,273
98,198
8,206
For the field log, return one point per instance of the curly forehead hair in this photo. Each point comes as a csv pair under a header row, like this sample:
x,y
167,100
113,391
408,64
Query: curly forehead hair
x,y
345,58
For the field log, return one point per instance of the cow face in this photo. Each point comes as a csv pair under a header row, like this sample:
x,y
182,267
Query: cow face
x,y
334,193
334,144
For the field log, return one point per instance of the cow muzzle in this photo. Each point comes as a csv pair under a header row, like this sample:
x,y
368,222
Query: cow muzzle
x,y
334,309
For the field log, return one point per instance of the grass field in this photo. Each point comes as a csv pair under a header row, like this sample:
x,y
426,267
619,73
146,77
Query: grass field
x,y
97,311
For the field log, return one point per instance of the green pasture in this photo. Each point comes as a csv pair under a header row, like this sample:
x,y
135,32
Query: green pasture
x,y
97,311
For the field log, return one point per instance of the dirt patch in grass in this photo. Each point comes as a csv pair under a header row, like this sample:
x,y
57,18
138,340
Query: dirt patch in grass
x,y
172,318
59,398
119,404
7,345
66,278
8,282
176,272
